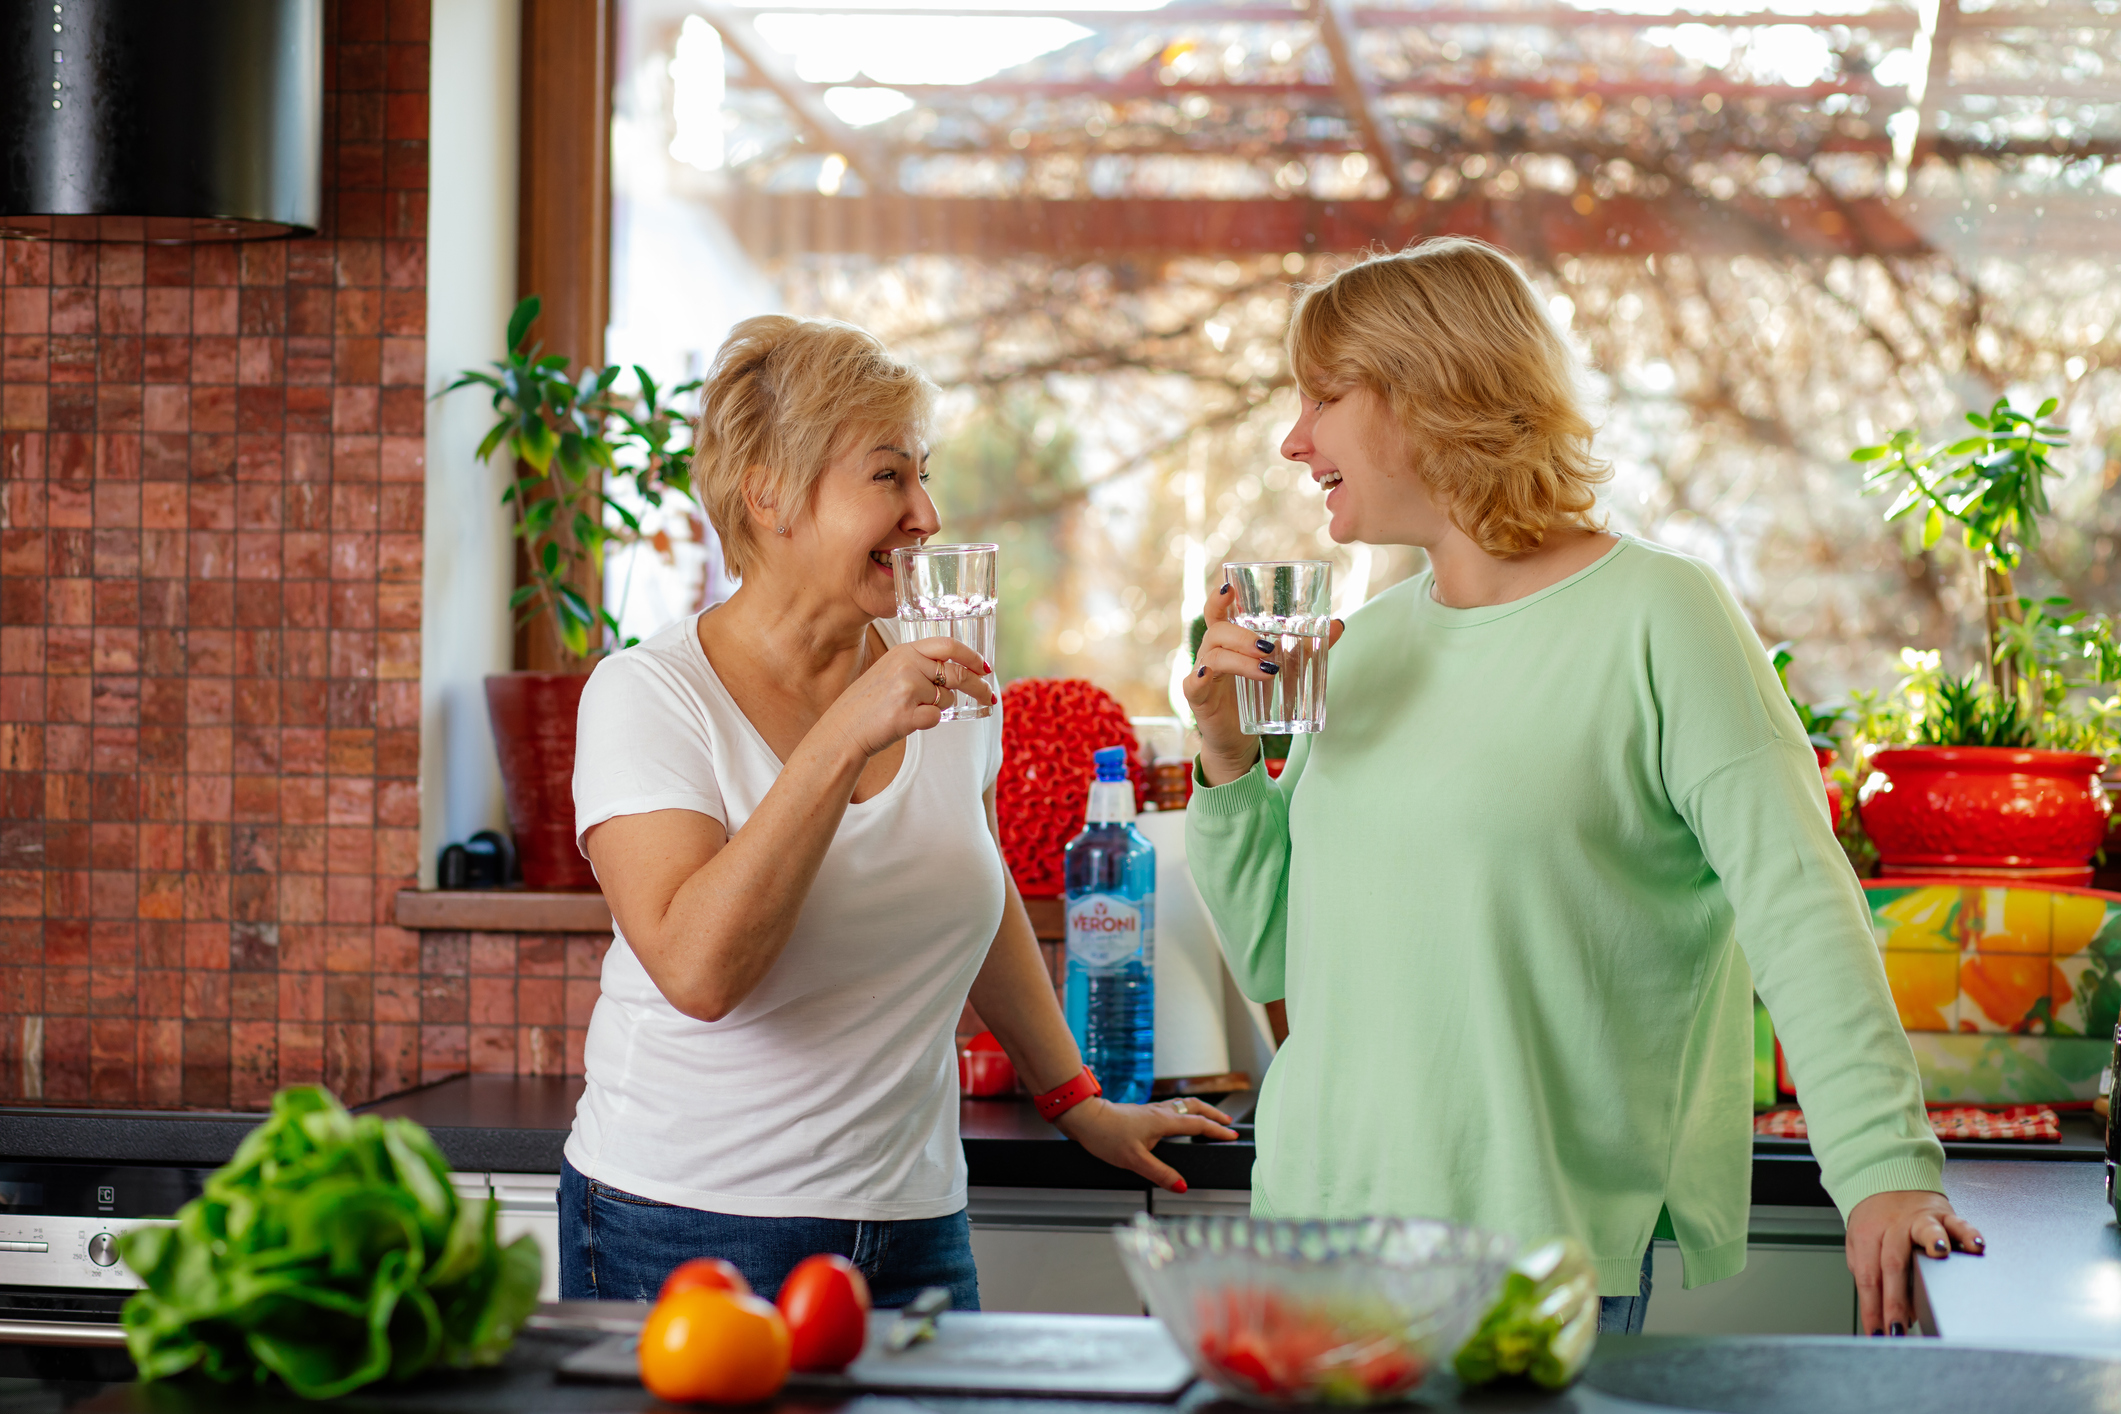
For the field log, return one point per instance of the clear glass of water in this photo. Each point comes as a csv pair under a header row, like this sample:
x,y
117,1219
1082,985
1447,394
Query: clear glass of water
x,y
947,591
1290,604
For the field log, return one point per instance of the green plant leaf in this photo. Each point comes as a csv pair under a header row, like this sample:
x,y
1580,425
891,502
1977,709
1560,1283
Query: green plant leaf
x,y
519,323
2047,408
550,556
1868,454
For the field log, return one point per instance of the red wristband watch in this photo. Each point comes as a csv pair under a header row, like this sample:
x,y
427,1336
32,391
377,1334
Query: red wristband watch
x,y
1063,1098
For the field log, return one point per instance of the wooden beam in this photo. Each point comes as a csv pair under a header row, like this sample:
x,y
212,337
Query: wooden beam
x,y
563,250
563,237
1537,224
1358,96
1143,88
819,124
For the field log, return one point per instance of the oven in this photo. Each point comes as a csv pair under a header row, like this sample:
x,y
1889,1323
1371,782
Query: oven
x,y
61,1282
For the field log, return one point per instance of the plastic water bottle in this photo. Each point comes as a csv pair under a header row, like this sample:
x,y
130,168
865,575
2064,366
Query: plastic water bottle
x,y
1110,872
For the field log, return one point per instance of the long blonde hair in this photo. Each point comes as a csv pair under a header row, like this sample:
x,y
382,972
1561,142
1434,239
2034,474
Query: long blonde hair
x,y
1487,391
785,396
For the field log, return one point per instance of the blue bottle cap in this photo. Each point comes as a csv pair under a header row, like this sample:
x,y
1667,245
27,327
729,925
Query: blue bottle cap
x,y
1111,763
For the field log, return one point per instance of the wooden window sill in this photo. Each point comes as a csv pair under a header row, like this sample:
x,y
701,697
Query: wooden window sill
x,y
502,911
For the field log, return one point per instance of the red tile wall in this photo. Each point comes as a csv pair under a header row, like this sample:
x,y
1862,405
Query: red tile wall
x,y
210,542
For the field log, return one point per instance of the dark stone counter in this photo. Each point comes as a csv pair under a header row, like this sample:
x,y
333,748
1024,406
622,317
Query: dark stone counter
x,y
2051,1275
1628,1375
517,1124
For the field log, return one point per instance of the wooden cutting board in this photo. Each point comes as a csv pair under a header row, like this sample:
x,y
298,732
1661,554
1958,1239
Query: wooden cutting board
x,y
979,1353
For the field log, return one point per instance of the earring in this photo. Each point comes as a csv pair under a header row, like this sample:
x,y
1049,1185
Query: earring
x,y
780,530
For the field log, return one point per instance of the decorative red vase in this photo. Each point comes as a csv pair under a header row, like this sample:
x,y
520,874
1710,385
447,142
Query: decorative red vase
x,y
1976,809
533,730
1833,792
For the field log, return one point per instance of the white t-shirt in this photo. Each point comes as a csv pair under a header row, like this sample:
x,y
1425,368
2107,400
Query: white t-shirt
x,y
831,1090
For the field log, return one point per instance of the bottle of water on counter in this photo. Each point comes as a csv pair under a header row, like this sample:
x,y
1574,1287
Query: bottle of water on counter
x,y
1110,872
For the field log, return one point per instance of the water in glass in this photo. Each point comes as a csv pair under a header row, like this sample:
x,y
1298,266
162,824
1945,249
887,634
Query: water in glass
x,y
948,591
1295,701
1288,603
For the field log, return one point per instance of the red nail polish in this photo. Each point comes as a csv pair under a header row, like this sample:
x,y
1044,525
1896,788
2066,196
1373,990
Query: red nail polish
x,y
1179,1187
986,667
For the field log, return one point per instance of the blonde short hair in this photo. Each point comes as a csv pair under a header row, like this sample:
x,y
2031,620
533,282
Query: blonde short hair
x,y
1456,341
784,398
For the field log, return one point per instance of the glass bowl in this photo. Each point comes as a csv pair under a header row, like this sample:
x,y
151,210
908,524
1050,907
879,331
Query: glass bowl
x,y
1351,1313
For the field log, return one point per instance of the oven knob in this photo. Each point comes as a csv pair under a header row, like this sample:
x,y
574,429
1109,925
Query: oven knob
x,y
103,1250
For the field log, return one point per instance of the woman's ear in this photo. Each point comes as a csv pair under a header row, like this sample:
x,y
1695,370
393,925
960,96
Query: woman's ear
x,y
759,504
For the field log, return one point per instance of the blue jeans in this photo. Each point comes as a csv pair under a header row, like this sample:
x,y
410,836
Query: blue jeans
x,y
1623,1315
618,1246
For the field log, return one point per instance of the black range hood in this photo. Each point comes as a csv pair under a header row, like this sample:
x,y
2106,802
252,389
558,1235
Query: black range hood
x,y
160,120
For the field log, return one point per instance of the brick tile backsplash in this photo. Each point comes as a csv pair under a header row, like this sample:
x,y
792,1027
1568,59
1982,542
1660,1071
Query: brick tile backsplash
x,y
211,465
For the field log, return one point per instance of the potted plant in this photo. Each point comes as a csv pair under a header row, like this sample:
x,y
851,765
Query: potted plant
x,y
571,439
2000,769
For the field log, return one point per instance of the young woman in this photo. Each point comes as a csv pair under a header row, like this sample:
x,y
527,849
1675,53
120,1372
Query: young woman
x,y
804,876
1561,825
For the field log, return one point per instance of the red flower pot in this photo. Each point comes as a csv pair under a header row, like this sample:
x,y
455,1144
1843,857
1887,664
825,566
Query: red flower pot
x,y
533,730
1940,809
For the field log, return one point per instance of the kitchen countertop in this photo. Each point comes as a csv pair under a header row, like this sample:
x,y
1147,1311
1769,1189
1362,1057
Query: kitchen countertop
x,y
517,1124
1628,1375
2051,1274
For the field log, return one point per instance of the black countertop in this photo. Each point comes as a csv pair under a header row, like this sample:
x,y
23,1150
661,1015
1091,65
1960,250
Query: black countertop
x,y
1627,1375
517,1124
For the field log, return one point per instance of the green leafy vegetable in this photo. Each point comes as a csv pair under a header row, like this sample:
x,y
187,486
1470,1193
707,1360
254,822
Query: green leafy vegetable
x,y
1544,1323
331,1252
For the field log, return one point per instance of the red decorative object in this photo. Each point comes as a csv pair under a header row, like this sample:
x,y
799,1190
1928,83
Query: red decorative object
x,y
984,1069
1958,1124
1833,792
1954,809
1049,728
533,730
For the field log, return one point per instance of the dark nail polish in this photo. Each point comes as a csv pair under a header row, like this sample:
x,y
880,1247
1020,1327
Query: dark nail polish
x,y
1202,673
1263,645
1270,667
1896,1329
1226,589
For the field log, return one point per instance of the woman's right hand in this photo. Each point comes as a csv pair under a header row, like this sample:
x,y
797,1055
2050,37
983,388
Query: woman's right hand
x,y
904,692
1227,652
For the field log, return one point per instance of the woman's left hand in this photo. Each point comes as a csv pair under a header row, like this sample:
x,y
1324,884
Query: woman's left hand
x,y
1885,1231
1123,1135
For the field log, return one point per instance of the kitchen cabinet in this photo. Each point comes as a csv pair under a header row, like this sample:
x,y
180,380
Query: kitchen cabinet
x,y
1796,1282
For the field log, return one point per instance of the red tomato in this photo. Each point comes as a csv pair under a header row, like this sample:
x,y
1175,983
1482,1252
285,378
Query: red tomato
x,y
704,1274
826,1303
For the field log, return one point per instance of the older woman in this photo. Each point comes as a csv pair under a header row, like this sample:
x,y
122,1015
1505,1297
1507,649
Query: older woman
x,y
804,876
1561,824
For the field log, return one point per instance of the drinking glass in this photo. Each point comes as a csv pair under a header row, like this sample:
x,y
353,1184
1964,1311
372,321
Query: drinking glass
x,y
1290,603
947,591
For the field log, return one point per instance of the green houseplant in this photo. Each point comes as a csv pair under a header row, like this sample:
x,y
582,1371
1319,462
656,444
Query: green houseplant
x,y
1997,770
574,440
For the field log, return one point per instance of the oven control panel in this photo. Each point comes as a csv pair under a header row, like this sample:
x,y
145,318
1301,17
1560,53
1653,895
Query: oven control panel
x,y
60,1223
70,1252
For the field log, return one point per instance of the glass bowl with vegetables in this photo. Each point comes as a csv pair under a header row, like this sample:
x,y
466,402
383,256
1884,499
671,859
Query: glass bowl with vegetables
x,y
1352,1313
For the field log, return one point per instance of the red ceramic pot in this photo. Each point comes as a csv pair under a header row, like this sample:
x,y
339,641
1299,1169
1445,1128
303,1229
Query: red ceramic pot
x,y
983,1068
1933,809
1833,792
533,730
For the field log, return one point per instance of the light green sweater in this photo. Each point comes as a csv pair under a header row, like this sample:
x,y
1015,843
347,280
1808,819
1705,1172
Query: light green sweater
x,y
1511,894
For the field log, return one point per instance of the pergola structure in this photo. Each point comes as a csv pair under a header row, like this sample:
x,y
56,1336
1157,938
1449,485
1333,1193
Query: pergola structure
x,y
1248,129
